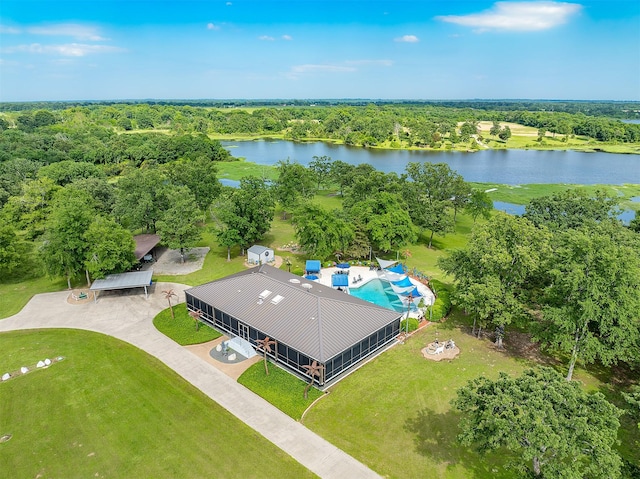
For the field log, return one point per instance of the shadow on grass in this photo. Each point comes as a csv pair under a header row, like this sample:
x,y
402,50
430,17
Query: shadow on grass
x,y
434,436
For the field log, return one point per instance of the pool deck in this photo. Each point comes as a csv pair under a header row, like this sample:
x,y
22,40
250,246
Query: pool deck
x,y
369,274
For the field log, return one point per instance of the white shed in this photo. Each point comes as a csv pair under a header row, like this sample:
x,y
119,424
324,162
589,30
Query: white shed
x,y
260,255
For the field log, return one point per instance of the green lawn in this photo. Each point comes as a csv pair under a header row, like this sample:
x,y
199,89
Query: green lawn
x,y
234,170
394,413
110,410
19,287
522,194
280,388
182,328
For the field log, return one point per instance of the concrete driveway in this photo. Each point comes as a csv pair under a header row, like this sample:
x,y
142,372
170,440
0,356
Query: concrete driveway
x,y
128,316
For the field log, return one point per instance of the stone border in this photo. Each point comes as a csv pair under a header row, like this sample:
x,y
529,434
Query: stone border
x,y
26,370
446,354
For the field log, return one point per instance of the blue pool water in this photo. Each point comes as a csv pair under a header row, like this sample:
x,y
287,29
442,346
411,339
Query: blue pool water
x,y
378,292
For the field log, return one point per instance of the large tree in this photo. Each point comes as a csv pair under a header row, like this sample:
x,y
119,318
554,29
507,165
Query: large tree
x,y
178,227
64,248
341,173
386,221
294,184
571,208
320,232
200,176
141,199
13,173
432,190
246,214
12,249
365,183
552,427
66,171
29,210
110,248
497,269
321,169
479,204
592,302
102,192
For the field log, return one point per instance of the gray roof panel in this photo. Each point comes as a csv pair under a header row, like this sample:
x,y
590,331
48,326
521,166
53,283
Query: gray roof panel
x,y
318,321
135,279
257,249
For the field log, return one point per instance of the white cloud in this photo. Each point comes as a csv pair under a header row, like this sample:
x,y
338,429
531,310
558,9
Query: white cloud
x,y
266,38
348,66
287,37
80,32
407,39
518,16
212,26
228,4
5,29
66,50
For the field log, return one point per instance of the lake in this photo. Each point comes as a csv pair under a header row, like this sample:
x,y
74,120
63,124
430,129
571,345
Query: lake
x,y
511,167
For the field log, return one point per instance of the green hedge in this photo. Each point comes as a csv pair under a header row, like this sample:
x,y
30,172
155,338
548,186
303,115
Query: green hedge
x,y
413,325
442,306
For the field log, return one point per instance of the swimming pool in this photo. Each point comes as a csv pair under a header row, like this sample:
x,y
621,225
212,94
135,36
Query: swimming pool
x,y
379,292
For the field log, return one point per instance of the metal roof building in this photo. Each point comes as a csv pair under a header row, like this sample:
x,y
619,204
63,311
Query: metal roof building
x,y
134,279
308,320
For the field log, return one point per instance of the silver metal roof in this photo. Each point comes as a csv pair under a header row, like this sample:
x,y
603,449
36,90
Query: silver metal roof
x,y
257,249
311,318
135,279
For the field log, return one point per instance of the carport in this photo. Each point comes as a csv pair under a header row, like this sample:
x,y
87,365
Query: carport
x,y
135,279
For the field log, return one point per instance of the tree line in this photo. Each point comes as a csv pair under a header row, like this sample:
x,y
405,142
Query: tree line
x,y
403,125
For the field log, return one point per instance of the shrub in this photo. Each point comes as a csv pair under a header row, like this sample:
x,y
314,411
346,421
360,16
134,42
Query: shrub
x,y
413,325
442,306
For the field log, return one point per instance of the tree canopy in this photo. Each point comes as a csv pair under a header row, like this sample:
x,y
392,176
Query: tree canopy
x,y
592,301
177,225
64,248
497,269
552,427
320,232
110,248
246,215
571,208
294,183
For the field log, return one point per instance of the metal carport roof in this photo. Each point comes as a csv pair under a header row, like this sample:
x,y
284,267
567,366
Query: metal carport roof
x,y
134,279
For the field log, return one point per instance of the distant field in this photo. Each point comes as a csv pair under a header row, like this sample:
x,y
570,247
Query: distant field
x,y
516,129
234,170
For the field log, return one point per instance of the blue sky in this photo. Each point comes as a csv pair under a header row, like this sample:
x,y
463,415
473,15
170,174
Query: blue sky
x,y
394,49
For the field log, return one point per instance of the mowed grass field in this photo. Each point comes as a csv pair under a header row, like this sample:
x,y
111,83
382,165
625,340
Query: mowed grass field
x,y
395,415
109,410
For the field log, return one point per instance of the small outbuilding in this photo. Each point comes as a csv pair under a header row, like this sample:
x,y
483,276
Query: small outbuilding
x,y
145,246
260,255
